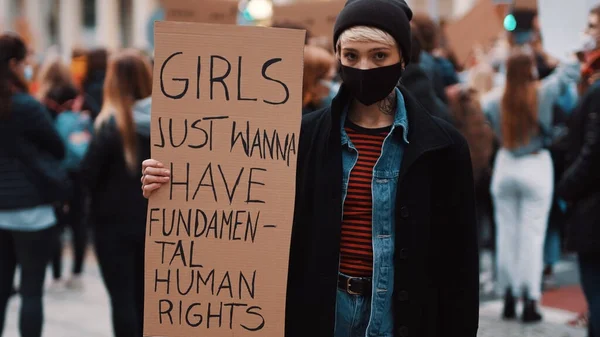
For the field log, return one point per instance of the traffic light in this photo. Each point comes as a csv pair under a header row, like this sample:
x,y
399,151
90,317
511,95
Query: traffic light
x,y
510,23
519,20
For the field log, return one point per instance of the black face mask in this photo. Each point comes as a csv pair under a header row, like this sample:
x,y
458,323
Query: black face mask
x,y
372,85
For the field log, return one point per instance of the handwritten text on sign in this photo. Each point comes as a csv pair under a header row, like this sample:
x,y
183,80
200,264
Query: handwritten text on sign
x,y
225,121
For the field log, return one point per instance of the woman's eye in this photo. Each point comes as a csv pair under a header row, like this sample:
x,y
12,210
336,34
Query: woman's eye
x,y
380,56
350,56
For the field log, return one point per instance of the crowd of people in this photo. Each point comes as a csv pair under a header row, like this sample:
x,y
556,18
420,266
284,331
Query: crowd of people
x,y
409,163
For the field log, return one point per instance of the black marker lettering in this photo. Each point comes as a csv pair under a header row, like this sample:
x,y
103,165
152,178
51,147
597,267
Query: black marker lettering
x,y
162,135
231,194
185,126
220,79
198,225
264,74
162,84
181,220
186,183
185,292
225,284
252,182
256,312
206,137
240,135
207,172
192,265
167,311
209,316
239,83
163,245
178,252
153,219
158,280
231,310
198,72
249,286
198,317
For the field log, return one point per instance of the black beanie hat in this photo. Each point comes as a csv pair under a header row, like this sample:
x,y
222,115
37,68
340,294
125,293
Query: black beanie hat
x,y
391,16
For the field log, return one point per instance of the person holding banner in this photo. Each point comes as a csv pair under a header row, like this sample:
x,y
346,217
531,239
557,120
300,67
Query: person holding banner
x,y
384,241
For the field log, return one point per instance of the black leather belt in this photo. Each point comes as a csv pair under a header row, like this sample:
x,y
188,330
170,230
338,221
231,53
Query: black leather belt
x,y
355,285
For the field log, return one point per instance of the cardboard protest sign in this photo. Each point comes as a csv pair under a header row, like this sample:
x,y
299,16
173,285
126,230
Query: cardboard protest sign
x,y
480,26
318,17
226,116
205,11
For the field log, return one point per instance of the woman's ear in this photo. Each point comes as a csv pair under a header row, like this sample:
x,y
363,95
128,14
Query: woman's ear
x,y
13,64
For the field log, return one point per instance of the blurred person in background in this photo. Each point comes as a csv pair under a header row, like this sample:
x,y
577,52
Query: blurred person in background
x,y
440,70
580,184
93,81
427,32
470,120
58,93
110,173
57,90
523,178
78,65
27,219
419,84
318,87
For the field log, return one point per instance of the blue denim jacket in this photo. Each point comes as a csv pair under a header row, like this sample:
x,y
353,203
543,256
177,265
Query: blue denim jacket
x,y
384,185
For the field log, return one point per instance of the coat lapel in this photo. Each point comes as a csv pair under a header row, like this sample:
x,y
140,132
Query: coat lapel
x,y
424,133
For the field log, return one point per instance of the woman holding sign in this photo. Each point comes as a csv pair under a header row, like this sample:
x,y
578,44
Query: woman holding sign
x,y
384,240
118,212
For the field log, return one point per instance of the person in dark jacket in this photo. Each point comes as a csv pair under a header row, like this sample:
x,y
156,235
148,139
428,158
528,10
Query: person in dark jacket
x,y
580,184
416,81
26,218
384,240
58,93
109,171
439,70
93,82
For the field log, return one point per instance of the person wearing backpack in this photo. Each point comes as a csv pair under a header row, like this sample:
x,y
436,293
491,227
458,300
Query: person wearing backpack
x,y
72,112
109,171
30,146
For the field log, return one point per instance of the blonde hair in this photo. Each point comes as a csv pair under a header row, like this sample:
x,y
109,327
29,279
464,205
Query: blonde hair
x,y
128,79
364,34
53,73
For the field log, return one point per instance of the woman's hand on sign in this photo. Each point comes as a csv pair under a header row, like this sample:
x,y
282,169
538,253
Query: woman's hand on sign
x,y
154,175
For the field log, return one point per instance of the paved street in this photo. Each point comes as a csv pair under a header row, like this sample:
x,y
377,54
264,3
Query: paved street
x,y
86,314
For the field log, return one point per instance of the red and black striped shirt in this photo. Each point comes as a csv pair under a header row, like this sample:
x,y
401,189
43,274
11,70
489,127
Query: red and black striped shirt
x,y
356,256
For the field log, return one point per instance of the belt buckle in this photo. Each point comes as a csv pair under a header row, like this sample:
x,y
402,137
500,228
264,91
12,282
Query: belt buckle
x,y
348,287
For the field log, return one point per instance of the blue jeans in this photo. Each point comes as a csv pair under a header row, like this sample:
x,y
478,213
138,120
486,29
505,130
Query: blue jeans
x,y
552,248
352,317
589,267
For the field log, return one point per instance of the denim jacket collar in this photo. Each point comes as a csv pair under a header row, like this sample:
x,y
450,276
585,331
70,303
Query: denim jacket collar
x,y
400,119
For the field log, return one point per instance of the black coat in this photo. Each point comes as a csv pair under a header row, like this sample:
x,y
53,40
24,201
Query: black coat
x,y
421,87
29,122
116,201
580,184
436,254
